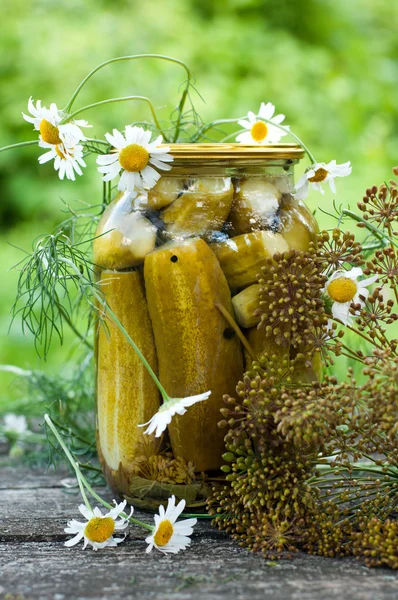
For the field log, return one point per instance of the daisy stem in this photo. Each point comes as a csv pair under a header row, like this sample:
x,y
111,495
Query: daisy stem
x,y
123,99
82,481
20,145
72,461
122,59
107,505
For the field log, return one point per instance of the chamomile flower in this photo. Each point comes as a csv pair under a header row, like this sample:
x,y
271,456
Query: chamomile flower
x,y
320,173
47,121
259,132
136,156
98,530
344,289
15,424
169,536
67,161
173,406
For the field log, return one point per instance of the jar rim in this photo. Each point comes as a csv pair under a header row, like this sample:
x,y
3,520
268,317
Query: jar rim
x,y
231,152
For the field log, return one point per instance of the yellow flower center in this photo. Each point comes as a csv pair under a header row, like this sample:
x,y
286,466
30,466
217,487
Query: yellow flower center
x,y
99,529
320,175
49,133
342,289
164,533
133,157
259,131
60,154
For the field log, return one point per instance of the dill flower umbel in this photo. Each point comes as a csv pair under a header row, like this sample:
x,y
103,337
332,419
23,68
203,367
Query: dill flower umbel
x,y
344,289
98,530
320,173
257,130
169,536
136,156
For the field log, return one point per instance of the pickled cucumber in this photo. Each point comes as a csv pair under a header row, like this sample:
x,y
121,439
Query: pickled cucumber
x,y
255,206
127,396
197,350
242,257
299,226
123,237
245,303
166,190
203,207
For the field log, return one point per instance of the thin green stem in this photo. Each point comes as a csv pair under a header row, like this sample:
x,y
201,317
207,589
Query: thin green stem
x,y
369,226
122,59
144,361
112,100
82,481
20,145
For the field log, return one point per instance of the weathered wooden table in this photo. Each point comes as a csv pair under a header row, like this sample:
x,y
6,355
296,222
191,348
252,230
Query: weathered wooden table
x,y
35,564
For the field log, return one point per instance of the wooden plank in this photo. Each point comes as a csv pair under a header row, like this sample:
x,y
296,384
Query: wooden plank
x,y
35,564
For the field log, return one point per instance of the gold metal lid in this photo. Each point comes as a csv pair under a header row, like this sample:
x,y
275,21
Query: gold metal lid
x,y
234,152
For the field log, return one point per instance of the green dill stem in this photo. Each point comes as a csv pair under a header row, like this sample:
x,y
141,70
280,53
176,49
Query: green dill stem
x,y
20,145
73,328
112,100
82,480
121,59
197,515
116,321
180,109
236,328
390,233
368,225
281,127
146,364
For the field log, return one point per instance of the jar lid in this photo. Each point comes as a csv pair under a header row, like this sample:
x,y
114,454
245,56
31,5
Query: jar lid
x,y
234,152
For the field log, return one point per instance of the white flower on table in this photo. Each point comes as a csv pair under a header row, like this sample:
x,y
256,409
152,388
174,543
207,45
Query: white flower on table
x,y
260,132
321,173
98,529
16,424
344,289
60,140
169,536
136,156
173,406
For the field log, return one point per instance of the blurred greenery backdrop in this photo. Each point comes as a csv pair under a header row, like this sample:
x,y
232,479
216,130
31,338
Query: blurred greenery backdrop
x,y
330,65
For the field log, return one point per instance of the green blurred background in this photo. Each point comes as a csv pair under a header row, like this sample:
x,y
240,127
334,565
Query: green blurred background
x,y
330,65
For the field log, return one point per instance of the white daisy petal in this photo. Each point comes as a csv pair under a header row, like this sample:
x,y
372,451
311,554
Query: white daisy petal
x,y
159,164
95,534
163,417
150,176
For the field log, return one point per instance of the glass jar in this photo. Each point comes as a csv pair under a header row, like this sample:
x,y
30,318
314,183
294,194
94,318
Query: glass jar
x,y
179,265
